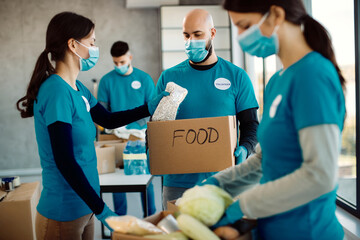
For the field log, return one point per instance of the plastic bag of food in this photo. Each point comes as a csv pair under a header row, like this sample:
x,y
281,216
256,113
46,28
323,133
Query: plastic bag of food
x,y
168,106
132,225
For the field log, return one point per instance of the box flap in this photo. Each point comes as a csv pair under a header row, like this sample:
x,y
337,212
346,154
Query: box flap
x,y
99,143
22,193
106,137
171,206
2,195
154,219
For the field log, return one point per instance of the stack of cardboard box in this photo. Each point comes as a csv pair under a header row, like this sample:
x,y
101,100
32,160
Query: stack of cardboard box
x,y
109,152
18,211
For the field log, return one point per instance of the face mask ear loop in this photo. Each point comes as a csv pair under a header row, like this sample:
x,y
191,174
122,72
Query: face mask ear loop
x,y
82,44
276,29
78,55
76,52
262,20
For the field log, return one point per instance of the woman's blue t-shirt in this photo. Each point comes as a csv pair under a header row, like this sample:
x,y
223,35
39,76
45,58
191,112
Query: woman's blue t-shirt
x,y
306,94
58,101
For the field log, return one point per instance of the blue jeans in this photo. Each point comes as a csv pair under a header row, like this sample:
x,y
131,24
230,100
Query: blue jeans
x,y
120,204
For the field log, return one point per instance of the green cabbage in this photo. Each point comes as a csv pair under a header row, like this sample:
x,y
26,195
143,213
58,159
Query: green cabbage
x,y
206,203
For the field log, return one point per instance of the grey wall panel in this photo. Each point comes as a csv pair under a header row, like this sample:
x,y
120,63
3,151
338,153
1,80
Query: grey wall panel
x,y
22,36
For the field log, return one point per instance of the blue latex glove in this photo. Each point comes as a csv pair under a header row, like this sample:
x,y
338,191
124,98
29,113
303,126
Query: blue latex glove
x,y
105,214
152,105
240,154
209,181
232,214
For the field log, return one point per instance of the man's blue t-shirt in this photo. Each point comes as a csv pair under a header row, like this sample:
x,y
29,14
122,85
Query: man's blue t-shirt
x,y
306,94
222,90
58,101
122,92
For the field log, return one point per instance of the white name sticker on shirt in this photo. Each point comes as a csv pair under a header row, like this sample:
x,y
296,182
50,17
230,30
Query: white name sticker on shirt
x,y
222,83
136,84
86,103
275,105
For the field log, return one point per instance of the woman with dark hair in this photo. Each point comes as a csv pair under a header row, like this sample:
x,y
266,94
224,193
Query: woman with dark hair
x,y
64,114
300,131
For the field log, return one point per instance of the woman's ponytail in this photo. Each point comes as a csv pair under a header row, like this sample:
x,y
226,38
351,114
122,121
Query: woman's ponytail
x,y
43,69
62,27
319,40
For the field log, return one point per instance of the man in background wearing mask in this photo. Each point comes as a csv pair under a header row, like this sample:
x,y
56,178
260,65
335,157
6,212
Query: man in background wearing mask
x,y
215,87
121,89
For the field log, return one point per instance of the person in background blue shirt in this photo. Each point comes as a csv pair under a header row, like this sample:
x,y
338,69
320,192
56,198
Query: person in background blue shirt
x,y
64,113
125,87
122,89
296,161
215,87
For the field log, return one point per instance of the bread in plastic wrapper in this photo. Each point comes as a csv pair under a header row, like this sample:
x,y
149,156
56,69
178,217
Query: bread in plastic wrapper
x,y
168,106
132,225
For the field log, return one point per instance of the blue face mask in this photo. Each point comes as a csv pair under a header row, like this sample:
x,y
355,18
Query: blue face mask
x,y
86,64
122,69
255,43
196,50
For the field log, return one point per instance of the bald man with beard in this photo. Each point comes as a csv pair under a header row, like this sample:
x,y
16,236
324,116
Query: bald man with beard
x,y
215,87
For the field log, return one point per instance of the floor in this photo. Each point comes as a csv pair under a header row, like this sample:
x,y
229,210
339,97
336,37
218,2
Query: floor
x,y
133,201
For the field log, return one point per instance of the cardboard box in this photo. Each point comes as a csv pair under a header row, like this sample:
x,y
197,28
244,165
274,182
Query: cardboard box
x,y
154,219
18,211
107,137
112,137
192,145
119,149
105,159
171,206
